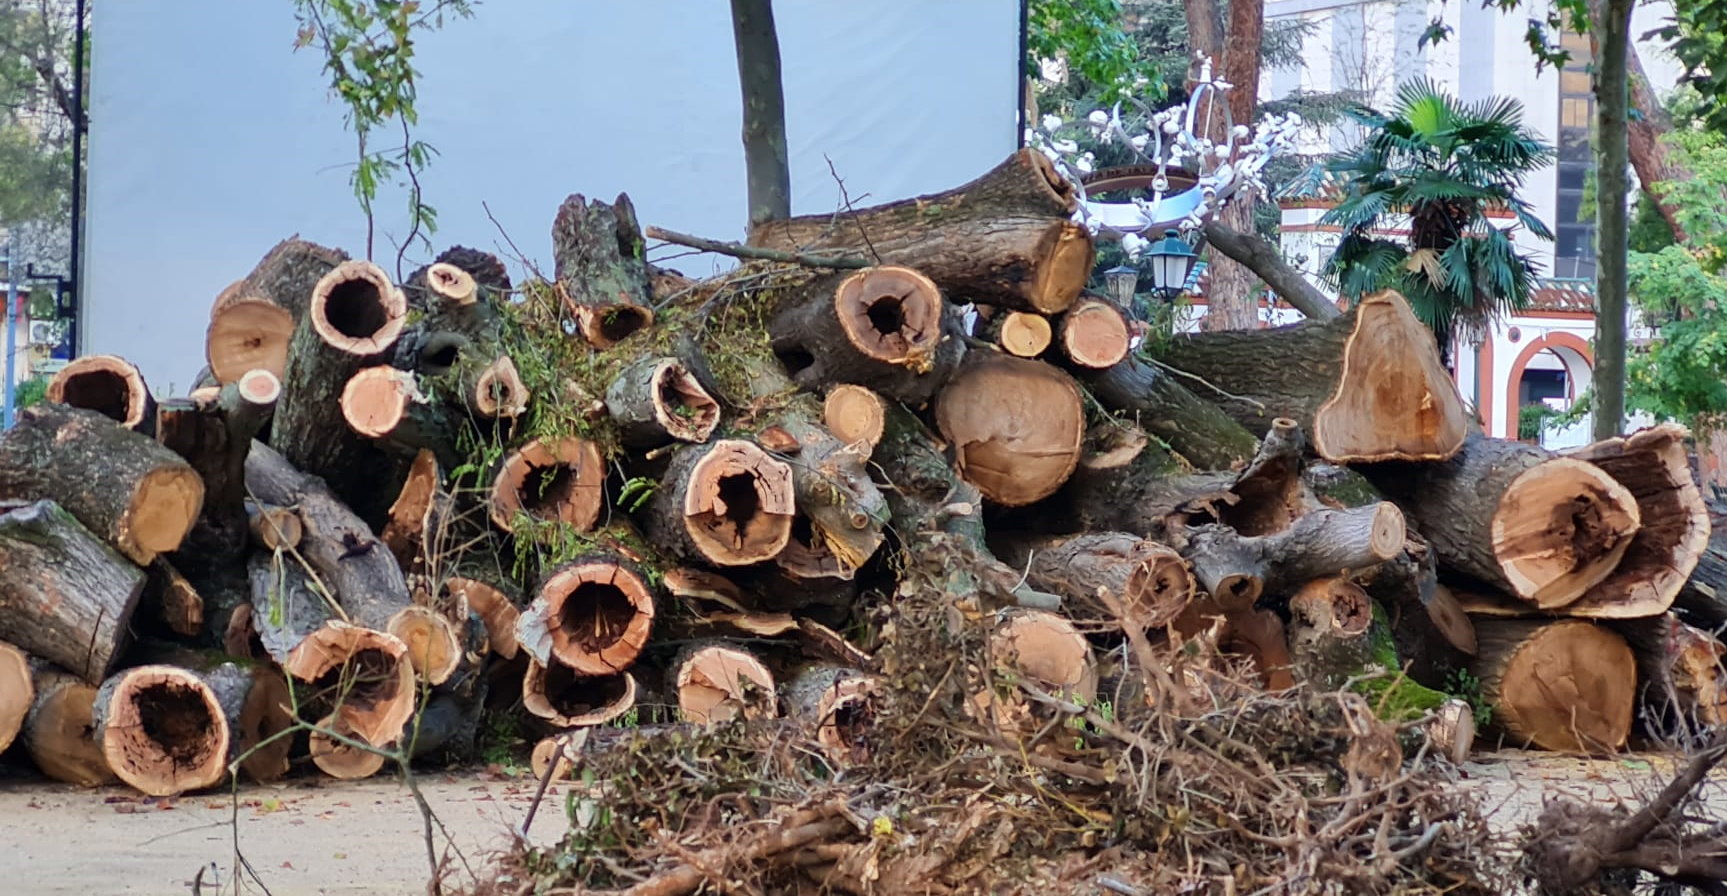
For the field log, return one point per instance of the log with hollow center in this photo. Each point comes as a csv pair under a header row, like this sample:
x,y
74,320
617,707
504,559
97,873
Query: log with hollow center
x,y
499,392
557,694
842,704
1094,334
601,269
1569,685
17,692
883,327
365,675
657,400
60,730
726,502
592,615
110,386
162,730
855,415
716,683
1147,583
561,480
65,596
1016,427
1327,632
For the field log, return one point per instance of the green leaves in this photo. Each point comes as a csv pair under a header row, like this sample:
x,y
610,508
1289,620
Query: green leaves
x,y
1090,36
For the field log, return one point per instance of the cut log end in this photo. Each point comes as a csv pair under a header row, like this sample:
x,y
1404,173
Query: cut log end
x,y
1452,732
275,528
376,399
843,704
1016,426
1561,527
109,385
1450,620
1332,608
1024,335
366,673
1159,588
495,609
568,700
719,684
246,335
599,615
1067,252
807,555
1568,686
1047,650
1394,399
658,399
548,751
259,387
164,732
165,504
499,392
60,732
891,314
1094,334
607,325
1387,531
555,481
267,712
17,693
452,285
434,650
340,760
855,415
356,309
739,505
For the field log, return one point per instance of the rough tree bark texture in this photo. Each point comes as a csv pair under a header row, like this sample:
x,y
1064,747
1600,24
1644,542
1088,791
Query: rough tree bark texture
x,y
1610,27
768,171
65,596
1166,407
1262,258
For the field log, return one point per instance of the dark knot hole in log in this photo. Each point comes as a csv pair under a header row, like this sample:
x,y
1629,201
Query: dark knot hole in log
x,y
1590,535
574,696
103,391
176,718
619,322
794,359
368,679
595,615
441,353
741,503
886,314
356,309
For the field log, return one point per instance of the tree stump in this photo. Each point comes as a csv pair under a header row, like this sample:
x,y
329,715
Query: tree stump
x,y
109,385
66,596
1568,685
1016,427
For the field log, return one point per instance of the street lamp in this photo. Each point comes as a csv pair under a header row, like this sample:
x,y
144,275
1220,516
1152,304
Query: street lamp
x,y
1121,282
1171,260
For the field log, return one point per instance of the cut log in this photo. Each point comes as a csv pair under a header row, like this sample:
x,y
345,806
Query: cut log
x,y
499,393
841,513
1019,333
855,416
386,405
592,615
260,708
1452,732
162,730
60,729
434,649
65,596
559,481
1681,677
547,751
1234,570
1160,403
716,683
657,400
17,692
1702,602
286,607
1002,239
274,528
248,335
1328,633
886,328
109,385
493,606
727,503
1568,686
1524,520
567,700
1366,386
1674,530
340,757
1016,427
842,705
124,487
417,514
1148,581
364,675
352,322
1416,609
601,268
1041,650
172,601
1094,334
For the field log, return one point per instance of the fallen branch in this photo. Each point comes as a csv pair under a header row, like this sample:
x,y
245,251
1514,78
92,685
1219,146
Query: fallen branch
x,y
739,250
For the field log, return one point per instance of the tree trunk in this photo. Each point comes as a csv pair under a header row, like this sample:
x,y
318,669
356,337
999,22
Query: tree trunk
x,y
1702,602
1263,259
65,596
109,385
553,482
162,730
1417,608
727,503
1367,386
256,705
364,677
567,700
1148,583
1611,28
592,616
656,400
17,692
1328,627
601,268
841,513
1646,143
253,319
716,683
887,328
1016,427
841,705
1568,686
764,104
60,730
1524,520
1234,570
1094,334
1681,680
1005,238
125,488
856,416
1022,334
1159,402
286,606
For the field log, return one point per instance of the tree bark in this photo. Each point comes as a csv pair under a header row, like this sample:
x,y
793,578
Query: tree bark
x,y
656,400
727,503
1016,427
1148,583
1568,686
887,328
162,730
1263,259
1651,157
110,386
1702,602
601,268
764,105
1611,28
1681,679
59,732
841,513
1234,570
66,596
1164,405
124,487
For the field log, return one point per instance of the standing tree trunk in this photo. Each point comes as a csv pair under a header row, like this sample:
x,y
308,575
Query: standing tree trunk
x,y
765,154
1611,27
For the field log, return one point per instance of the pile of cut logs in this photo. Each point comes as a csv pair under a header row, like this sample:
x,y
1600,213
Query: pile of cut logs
x,y
388,509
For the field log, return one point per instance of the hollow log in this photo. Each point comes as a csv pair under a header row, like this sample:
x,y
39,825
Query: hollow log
x,y
886,328
274,528
65,596
1327,630
1002,239
561,481
109,385
726,502
601,268
1524,520
855,415
1165,406
495,607
124,487
1234,570
162,730
657,400
1150,582
1366,386
17,692
60,729
1018,333
1016,427
1094,334
567,700
842,705
364,676
592,616
1568,685
1681,676
1674,530
339,757
252,322
352,321
498,391
717,683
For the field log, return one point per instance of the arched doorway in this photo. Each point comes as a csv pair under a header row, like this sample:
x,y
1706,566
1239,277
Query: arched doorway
x,y
1554,370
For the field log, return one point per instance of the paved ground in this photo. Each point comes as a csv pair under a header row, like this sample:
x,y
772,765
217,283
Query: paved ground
x,y
315,836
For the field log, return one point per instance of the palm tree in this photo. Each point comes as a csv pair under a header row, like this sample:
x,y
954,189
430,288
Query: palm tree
x,y
1439,166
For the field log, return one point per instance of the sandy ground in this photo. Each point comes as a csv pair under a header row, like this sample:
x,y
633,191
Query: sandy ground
x,y
315,836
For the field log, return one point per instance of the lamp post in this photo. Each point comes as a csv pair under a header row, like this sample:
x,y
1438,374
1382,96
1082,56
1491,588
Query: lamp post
x,y
1121,282
1171,261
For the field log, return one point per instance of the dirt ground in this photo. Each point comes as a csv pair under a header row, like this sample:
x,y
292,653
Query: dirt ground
x,y
316,836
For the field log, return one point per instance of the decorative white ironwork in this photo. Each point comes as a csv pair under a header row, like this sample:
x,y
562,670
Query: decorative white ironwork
x,y
1171,140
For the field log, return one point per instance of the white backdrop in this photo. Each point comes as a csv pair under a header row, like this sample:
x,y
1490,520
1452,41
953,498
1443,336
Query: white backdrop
x,y
211,139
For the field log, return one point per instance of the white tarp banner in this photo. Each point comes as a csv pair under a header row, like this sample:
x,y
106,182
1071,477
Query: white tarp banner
x,y
211,139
